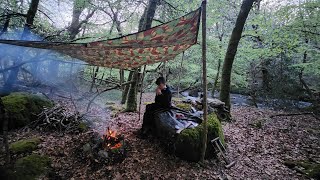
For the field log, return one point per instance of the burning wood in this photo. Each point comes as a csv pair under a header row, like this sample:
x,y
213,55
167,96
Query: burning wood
x,y
111,140
109,148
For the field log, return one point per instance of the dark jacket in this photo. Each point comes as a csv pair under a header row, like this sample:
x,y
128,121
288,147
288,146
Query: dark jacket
x,y
164,100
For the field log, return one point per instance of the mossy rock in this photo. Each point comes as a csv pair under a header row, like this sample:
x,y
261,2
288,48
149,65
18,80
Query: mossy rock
x,y
188,142
31,167
312,170
25,145
22,108
83,127
184,106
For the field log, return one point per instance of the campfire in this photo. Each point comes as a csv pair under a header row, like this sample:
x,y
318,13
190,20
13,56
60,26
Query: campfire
x,y
109,148
111,140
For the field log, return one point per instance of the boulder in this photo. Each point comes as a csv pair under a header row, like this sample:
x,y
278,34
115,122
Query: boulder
x,y
31,167
25,145
22,108
188,142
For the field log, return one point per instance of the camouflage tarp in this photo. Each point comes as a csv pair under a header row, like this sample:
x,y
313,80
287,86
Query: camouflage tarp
x,y
160,43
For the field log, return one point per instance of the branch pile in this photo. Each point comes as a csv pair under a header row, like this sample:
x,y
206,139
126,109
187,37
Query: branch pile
x,y
58,118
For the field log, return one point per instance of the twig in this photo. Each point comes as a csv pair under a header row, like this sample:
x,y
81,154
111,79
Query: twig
x,y
295,114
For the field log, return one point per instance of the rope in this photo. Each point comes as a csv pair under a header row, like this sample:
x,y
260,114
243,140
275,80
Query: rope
x,y
141,89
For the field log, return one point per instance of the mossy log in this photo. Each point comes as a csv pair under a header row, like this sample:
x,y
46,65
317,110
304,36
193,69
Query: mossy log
x,y
25,145
188,142
22,108
31,167
310,169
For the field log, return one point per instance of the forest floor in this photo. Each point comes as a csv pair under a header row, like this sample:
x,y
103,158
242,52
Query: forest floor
x,y
259,144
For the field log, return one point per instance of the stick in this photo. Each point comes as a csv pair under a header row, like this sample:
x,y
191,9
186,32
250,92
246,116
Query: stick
x,y
295,114
141,89
204,78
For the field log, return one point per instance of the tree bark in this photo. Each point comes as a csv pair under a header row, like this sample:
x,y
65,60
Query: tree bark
x,y
33,8
204,79
144,24
94,77
232,50
126,89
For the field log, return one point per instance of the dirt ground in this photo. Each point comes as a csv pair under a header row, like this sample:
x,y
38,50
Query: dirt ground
x,y
258,143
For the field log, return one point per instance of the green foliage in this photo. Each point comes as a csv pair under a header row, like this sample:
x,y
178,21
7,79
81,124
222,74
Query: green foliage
x,y
25,145
188,143
31,167
22,108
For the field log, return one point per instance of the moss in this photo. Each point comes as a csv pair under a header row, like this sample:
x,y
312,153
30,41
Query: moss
x,y
188,143
22,108
25,145
31,167
147,103
83,127
184,106
310,169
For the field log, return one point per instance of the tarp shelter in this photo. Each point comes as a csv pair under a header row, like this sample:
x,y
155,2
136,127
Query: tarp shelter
x,y
158,44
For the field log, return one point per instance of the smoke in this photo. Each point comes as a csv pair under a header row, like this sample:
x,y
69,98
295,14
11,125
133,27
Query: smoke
x,y
29,66
58,76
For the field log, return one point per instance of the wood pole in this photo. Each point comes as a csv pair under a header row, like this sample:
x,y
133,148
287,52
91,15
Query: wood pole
x,y
180,74
204,78
141,89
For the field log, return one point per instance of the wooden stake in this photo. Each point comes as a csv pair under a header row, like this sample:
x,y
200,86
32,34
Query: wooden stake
x,y
204,79
141,89
180,74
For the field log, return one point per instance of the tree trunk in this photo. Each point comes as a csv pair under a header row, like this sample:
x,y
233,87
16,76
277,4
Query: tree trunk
x,y
220,36
126,89
144,24
75,25
232,50
216,78
132,94
33,8
94,77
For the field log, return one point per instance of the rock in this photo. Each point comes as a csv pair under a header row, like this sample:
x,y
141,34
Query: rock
x,y
22,108
194,92
103,154
86,147
184,106
82,127
31,167
25,145
188,142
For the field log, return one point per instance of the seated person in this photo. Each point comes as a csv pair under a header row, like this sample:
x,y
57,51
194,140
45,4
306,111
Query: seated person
x,y
162,101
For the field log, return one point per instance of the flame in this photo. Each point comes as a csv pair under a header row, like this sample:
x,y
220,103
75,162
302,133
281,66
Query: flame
x,y
110,138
